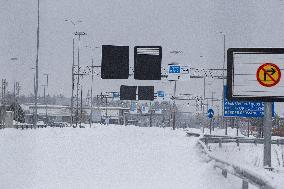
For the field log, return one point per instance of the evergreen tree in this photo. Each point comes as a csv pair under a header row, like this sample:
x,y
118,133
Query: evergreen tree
x,y
19,114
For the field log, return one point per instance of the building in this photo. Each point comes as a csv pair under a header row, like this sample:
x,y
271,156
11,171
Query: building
x,y
59,113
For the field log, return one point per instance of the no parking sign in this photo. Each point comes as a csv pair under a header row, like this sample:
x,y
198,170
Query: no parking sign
x,y
254,74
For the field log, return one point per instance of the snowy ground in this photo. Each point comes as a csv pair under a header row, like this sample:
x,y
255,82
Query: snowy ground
x,y
105,157
249,156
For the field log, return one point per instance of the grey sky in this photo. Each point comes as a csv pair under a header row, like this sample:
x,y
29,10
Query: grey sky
x,y
190,26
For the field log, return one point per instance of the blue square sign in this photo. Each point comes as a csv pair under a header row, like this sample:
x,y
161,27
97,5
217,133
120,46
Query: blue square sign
x,y
243,108
174,69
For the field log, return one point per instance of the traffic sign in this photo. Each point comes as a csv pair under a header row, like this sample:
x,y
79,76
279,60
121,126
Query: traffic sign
x,y
161,94
145,109
174,69
133,108
178,72
254,74
184,74
268,75
210,113
243,108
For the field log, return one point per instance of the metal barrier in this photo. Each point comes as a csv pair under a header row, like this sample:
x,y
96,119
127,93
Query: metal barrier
x,y
247,176
238,140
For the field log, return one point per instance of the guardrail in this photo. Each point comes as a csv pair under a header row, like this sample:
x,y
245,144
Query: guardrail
x,y
238,140
247,176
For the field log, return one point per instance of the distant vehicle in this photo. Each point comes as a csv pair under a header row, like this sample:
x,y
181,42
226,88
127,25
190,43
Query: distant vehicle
x,y
59,124
41,124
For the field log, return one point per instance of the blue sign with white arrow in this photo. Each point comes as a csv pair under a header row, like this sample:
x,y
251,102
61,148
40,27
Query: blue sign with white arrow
x,y
210,113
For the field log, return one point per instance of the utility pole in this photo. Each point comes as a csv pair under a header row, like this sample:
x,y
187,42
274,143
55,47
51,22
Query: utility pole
x,y
15,101
73,84
81,107
106,103
91,117
36,79
4,87
204,82
45,102
16,95
73,77
78,78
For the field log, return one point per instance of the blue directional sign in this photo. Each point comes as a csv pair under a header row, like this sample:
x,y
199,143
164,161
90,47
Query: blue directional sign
x,y
243,108
210,113
174,69
115,94
161,94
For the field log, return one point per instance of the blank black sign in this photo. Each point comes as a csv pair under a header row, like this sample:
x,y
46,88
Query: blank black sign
x,y
128,92
115,62
147,62
145,92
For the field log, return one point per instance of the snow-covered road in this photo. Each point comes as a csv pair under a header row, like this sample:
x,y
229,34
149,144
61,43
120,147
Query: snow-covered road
x,y
104,158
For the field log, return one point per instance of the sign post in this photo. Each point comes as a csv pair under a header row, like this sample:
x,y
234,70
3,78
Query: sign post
x,y
210,116
254,74
177,72
267,134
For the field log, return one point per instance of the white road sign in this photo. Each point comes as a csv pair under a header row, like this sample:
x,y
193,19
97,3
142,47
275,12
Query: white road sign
x,y
255,74
178,72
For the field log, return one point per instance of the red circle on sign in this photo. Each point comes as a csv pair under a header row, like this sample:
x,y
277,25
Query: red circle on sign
x,y
261,68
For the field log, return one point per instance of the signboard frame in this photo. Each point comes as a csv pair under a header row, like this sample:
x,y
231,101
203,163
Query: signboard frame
x,y
145,57
230,74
